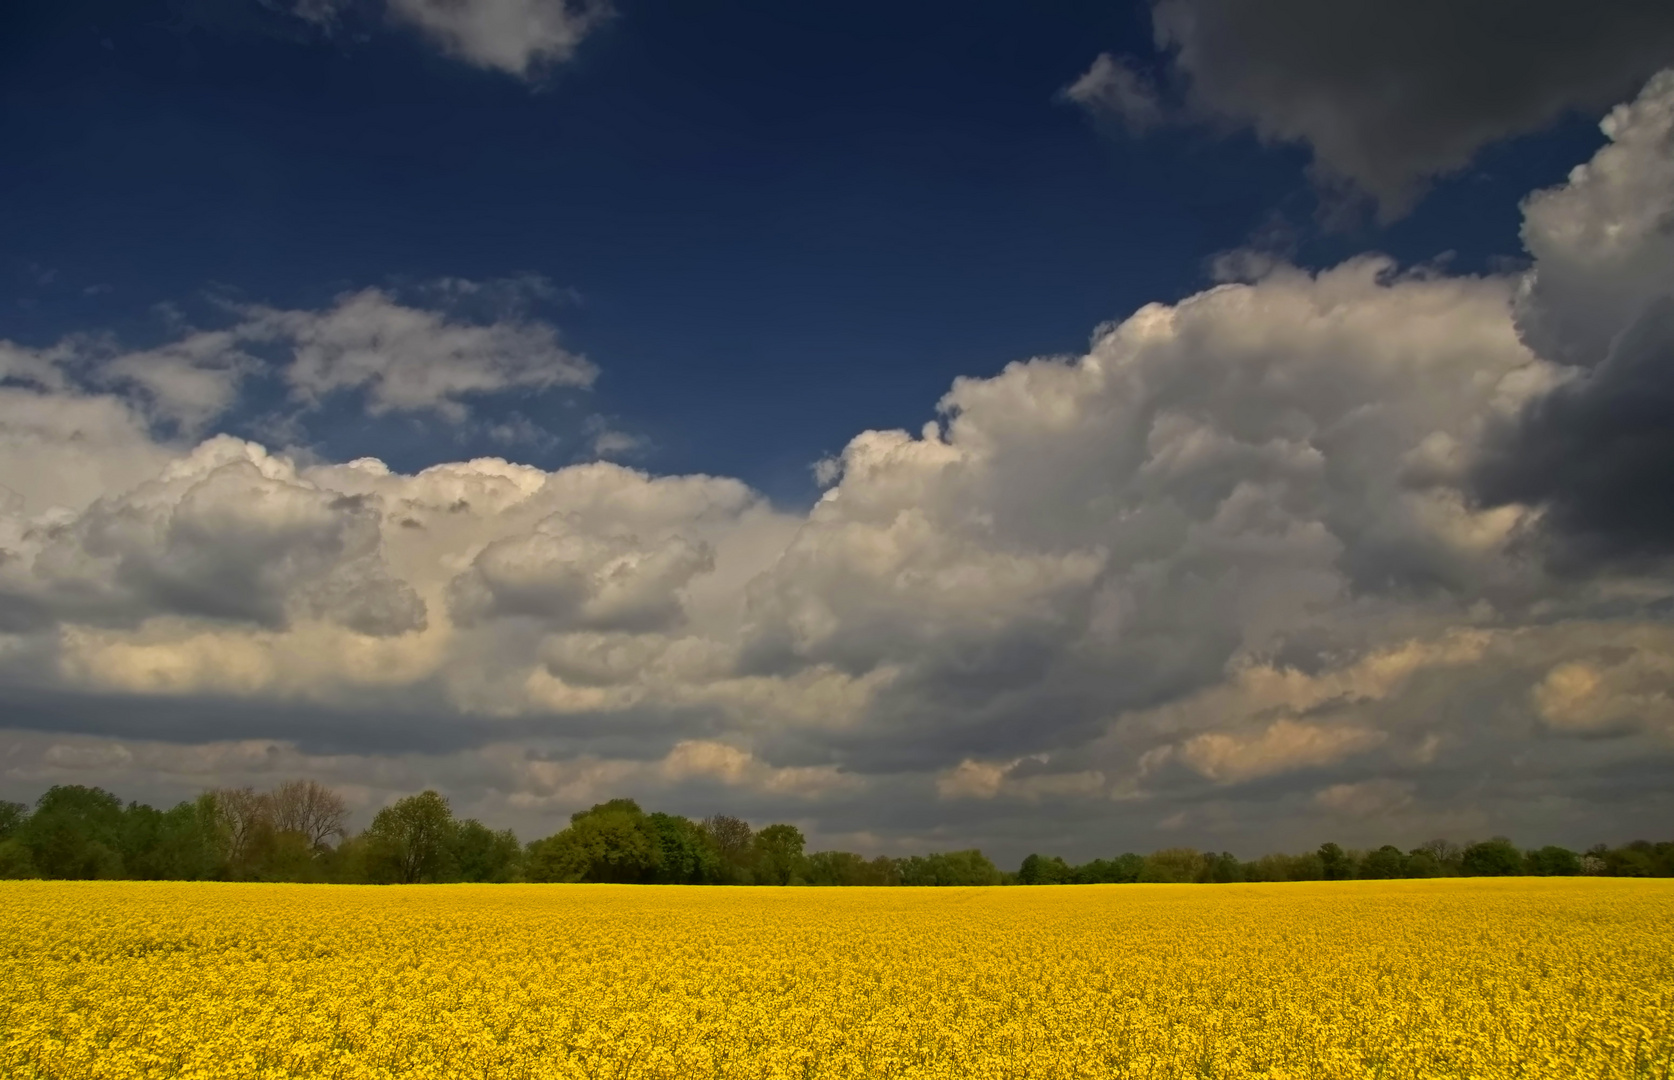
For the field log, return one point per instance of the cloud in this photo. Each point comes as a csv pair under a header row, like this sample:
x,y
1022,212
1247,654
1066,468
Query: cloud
x,y
1112,89
407,359
1597,451
1231,567
1389,96
228,533
1367,799
518,37
1284,746
570,579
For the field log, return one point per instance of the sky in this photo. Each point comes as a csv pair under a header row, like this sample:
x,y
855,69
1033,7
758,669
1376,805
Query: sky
x,y
1073,428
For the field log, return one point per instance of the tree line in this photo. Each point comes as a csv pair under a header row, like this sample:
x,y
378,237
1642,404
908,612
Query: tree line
x,y
1497,857
299,832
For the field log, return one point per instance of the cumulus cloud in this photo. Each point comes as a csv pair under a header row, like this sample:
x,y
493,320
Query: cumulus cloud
x,y
572,580
1284,746
227,533
1597,451
1388,96
1236,564
518,37
405,358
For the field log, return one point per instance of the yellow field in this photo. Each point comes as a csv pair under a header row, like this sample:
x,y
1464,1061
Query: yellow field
x,y
1464,978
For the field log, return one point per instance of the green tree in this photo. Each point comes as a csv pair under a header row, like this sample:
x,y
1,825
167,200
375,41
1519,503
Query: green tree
x,y
1044,870
735,841
180,844
12,817
847,868
1222,869
1173,866
686,853
1492,858
481,854
1421,864
1335,863
1122,869
1386,862
1553,861
75,832
612,842
778,855
411,840
944,868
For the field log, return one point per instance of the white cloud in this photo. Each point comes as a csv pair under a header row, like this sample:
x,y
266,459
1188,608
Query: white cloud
x,y
1232,541
1112,88
1283,746
407,359
518,37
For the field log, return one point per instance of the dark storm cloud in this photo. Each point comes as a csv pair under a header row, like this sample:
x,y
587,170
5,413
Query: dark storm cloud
x,y
1598,454
416,725
1390,95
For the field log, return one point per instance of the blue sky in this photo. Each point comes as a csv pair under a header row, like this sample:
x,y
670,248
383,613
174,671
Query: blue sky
x,y
771,227
528,399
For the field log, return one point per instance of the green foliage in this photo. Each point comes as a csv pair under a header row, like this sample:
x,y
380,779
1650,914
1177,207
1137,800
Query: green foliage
x,y
480,854
687,855
75,832
16,861
734,841
1553,861
1335,863
612,842
12,816
778,855
847,868
1492,858
1386,862
1174,866
1222,869
969,867
1421,864
1044,870
411,840
242,834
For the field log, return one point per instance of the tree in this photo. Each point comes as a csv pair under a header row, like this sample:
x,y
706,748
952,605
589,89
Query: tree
x,y
686,853
944,868
1173,866
1492,858
1043,870
1553,861
12,816
1445,854
309,808
180,844
1420,864
1386,862
1122,869
1335,863
480,854
75,832
612,842
245,824
778,854
847,868
734,840
1222,869
410,840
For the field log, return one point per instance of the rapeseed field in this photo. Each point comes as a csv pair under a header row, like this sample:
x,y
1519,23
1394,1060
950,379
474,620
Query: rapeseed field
x,y
1451,978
